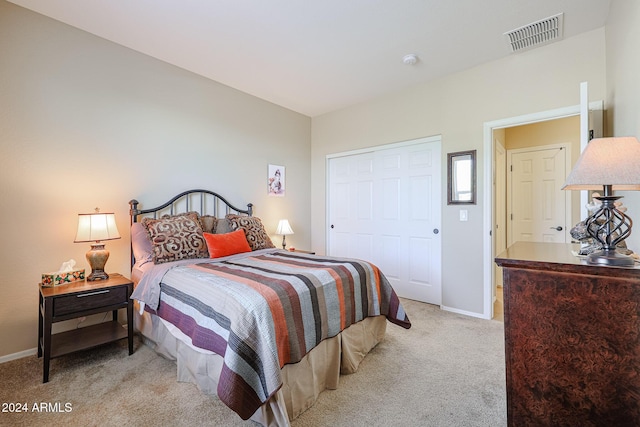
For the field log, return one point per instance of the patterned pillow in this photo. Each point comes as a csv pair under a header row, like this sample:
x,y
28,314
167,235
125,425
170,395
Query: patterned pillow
x,y
253,228
176,237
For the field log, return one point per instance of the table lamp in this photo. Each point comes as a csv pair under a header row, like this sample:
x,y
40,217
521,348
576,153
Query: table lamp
x,y
96,227
608,164
284,228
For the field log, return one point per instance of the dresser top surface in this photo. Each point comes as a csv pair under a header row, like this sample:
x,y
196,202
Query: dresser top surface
x,y
555,256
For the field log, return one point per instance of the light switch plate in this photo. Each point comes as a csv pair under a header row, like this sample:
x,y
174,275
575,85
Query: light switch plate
x,y
464,215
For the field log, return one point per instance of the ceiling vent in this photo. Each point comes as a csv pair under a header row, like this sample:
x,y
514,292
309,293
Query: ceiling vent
x,y
535,34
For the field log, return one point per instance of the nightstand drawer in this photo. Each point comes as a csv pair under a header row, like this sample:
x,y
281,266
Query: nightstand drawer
x,y
89,300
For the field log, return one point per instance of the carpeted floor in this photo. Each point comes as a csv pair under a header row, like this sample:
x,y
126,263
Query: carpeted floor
x,y
447,370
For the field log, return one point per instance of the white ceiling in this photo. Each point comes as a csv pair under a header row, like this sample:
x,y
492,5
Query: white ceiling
x,y
316,56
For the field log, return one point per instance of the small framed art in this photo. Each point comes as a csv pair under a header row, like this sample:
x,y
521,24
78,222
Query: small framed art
x,y
275,182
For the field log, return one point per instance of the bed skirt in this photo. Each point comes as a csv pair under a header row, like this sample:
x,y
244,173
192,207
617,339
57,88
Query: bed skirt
x,y
319,370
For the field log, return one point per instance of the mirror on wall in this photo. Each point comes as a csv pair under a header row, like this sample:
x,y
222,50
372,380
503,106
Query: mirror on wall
x,y
461,178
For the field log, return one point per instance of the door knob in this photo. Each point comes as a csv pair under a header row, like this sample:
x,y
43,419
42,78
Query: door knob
x,y
558,228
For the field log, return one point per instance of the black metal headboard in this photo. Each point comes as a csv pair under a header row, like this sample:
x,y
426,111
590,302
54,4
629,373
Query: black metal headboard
x,y
204,202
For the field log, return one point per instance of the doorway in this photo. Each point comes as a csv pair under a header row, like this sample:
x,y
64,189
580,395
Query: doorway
x,y
533,161
494,128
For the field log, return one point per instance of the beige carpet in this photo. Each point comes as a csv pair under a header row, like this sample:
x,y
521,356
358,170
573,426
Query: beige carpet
x,y
447,370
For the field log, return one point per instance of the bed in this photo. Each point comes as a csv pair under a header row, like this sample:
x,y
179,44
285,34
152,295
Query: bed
x,y
265,329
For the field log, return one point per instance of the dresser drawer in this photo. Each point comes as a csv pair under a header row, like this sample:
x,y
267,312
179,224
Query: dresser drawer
x,y
89,300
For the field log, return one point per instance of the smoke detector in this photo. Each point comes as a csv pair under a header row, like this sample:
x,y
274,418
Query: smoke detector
x,y
410,59
536,34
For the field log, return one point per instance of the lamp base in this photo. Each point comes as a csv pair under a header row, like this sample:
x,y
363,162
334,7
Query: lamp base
x,y
97,275
609,227
97,258
611,258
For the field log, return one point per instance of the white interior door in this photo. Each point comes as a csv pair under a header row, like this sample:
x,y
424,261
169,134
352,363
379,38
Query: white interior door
x,y
384,206
537,207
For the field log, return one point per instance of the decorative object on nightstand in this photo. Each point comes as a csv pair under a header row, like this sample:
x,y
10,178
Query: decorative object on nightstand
x,y
610,164
285,229
97,227
65,274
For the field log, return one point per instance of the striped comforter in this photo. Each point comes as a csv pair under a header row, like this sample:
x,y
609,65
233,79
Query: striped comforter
x,y
264,311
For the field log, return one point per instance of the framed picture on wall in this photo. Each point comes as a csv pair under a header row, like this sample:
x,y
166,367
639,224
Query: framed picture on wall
x,y
275,183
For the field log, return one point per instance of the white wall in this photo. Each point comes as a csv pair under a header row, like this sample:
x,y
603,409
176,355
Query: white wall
x,y
85,123
456,107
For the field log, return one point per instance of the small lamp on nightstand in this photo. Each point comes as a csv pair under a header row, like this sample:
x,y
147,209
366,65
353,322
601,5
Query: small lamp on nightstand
x,y
284,228
96,227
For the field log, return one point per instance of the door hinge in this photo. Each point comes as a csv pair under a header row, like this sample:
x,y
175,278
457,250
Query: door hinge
x,y
510,168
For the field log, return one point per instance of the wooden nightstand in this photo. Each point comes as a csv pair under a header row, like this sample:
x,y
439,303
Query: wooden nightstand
x,y
302,252
79,299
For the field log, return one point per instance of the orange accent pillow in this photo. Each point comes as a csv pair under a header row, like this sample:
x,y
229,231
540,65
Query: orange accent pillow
x,y
227,244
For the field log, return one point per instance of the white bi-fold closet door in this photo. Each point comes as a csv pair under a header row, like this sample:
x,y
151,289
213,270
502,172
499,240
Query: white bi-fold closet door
x,y
384,206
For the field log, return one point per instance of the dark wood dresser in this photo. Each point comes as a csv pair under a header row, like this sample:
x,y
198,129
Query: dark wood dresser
x,y
572,339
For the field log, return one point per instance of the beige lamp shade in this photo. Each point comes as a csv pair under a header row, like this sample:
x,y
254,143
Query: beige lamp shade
x,y
96,227
607,161
284,228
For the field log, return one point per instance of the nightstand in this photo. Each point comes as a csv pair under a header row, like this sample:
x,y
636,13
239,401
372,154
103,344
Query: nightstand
x,y
302,252
78,299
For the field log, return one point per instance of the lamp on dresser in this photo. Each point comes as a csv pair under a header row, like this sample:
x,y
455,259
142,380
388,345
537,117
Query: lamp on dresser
x,y
97,227
284,229
608,164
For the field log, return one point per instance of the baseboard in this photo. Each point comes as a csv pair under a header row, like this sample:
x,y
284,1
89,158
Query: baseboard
x,y
19,355
466,313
